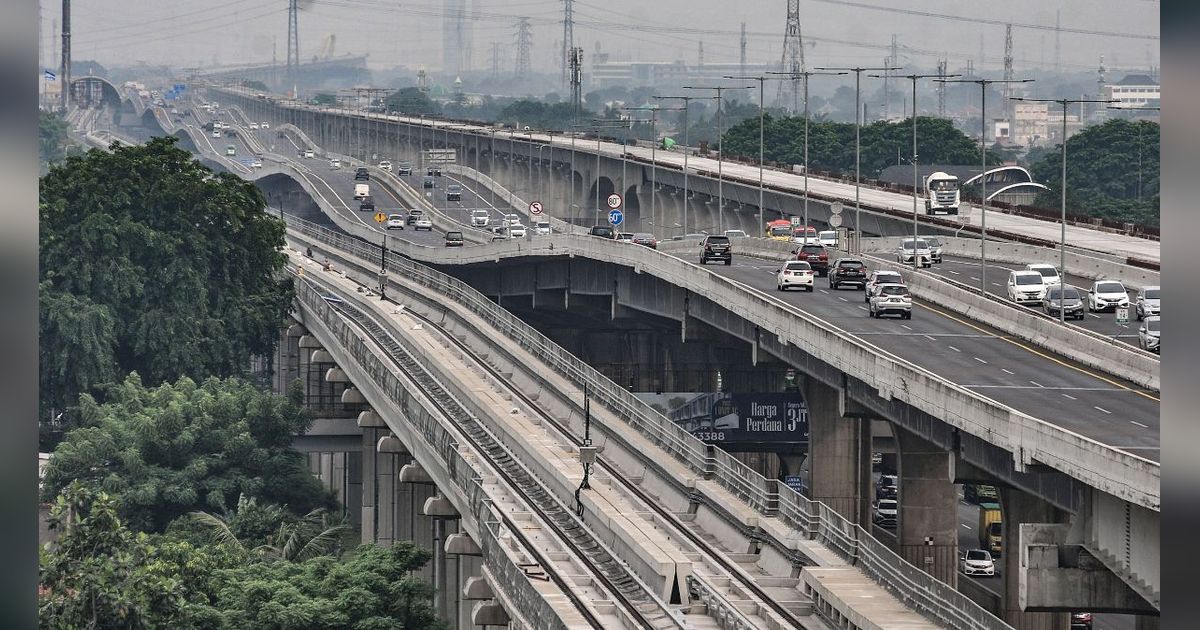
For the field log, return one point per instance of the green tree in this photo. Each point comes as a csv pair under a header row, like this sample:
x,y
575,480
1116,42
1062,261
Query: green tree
x,y
293,539
1112,172
182,447
412,101
175,270
52,138
324,99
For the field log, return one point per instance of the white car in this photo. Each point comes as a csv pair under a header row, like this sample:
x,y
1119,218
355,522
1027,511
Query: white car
x,y
935,249
1049,273
395,222
516,230
905,252
308,154
255,163
423,223
480,218
1148,303
890,298
264,125
253,126
828,238
541,227
977,562
877,278
794,273
884,513
735,233
1106,295
1026,287
335,163
386,165
510,220
1150,334
216,133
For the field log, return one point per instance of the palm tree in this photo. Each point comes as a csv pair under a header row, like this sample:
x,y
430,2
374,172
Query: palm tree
x,y
315,534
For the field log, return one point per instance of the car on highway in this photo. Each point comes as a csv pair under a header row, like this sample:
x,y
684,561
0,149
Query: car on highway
x,y
977,562
335,163
434,171
230,149
308,154
362,190
909,248
413,215
715,247
1025,287
1150,334
890,299
1107,295
828,238
1081,621
264,125
427,182
422,223
736,233
1067,299
624,237
1049,273
848,271
883,513
395,222
1147,303
603,231
516,230
499,233
935,248
641,238
362,174
404,169
216,133
454,239
253,126
454,192
480,218
255,163
878,277
885,487
815,255
794,273
367,204
542,226
386,165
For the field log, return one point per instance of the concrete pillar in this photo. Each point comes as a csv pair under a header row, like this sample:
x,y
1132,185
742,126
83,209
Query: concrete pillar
x,y
1018,507
385,479
440,509
370,472
1144,622
839,454
927,521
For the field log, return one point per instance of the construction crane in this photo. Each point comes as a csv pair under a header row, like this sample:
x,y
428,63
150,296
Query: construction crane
x,y
327,47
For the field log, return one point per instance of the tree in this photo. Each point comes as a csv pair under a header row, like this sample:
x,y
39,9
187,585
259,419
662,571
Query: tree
x,y
152,263
52,138
293,540
187,446
1112,172
325,99
411,101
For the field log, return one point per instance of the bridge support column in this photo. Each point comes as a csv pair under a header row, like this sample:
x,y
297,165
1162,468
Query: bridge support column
x,y
468,562
927,523
440,510
839,453
1018,507
387,448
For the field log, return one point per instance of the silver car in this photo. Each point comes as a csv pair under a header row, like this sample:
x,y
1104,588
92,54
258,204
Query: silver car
x,y
1150,334
935,249
905,252
1147,303
891,299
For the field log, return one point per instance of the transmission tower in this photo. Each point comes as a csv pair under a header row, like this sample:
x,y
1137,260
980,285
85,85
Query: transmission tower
x,y
887,76
568,40
524,42
293,44
495,60
941,88
575,60
1008,71
792,61
742,48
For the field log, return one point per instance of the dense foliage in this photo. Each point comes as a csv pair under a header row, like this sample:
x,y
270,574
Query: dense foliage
x,y
1112,172
411,101
538,115
831,144
52,138
166,451
152,263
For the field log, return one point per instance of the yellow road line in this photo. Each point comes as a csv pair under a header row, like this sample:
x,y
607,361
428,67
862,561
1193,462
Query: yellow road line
x,y
1040,353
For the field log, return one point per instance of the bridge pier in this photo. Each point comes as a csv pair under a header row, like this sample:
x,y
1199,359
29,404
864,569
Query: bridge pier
x,y
839,453
927,523
1018,507
441,510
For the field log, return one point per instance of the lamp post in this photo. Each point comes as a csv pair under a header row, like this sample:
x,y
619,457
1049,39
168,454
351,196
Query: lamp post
x,y
858,120
720,152
687,101
983,85
653,148
1062,245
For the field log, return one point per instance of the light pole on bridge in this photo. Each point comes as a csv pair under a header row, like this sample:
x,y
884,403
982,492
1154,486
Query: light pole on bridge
x,y
687,101
720,149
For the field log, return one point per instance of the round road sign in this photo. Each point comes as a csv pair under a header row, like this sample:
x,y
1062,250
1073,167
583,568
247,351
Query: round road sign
x,y
380,217
835,208
615,217
835,220
614,201
535,207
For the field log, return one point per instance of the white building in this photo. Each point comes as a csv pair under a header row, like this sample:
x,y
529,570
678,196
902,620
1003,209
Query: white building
x,y
1135,90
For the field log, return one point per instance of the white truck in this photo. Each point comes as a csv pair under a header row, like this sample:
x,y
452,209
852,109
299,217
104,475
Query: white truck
x,y
362,190
941,194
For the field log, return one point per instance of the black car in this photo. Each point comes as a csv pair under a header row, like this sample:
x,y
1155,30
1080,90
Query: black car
x,y
413,215
454,192
454,239
602,231
1067,302
427,182
367,203
362,174
434,171
716,248
848,271
404,169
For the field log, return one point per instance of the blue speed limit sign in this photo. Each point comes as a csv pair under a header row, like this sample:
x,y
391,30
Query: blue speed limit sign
x,y
615,217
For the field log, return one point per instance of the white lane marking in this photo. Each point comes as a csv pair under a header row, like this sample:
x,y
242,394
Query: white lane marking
x,y
995,284
953,272
1094,315
1070,396
964,524
1037,384
980,360
929,338
863,307
823,291
1144,426
1102,409
954,349
905,326
974,277
843,299
1007,371
1051,388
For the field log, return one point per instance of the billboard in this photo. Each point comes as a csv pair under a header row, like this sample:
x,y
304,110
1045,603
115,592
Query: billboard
x,y
779,418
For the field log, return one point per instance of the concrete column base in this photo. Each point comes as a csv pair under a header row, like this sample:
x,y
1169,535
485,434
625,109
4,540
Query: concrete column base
x,y
489,613
477,587
1017,507
927,523
839,456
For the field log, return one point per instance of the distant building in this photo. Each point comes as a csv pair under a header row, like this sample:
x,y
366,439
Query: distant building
x,y
1135,90
1029,124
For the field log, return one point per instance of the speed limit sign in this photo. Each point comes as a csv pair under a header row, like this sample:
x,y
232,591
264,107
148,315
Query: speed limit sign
x,y
614,201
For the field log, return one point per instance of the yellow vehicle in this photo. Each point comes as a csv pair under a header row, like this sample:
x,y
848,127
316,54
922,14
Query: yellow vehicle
x,y
990,527
780,229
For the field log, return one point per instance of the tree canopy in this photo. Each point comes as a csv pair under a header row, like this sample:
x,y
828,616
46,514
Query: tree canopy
x,y
1112,172
412,101
537,115
52,138
150,262
180,447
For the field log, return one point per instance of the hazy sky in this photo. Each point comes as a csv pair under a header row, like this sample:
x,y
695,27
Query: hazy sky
x,y
186,33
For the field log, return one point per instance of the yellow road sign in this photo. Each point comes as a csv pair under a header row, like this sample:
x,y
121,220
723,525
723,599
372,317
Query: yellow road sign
x,y
380,217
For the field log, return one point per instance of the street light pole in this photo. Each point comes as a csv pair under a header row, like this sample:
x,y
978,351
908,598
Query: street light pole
x,y
687,100
720,152
858,120
1062,244
983,85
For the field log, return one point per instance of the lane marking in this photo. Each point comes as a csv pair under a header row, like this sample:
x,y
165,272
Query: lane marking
x,y
843,299
964,524
980,360
1008,371
954,272
1101,409
1144,426
1043,354
954,349
905,326
929,338
823,291
1070,396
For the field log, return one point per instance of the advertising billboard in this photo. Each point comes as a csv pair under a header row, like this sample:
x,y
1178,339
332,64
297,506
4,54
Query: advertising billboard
x,y
737,418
